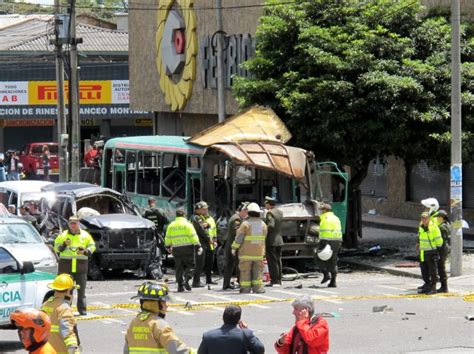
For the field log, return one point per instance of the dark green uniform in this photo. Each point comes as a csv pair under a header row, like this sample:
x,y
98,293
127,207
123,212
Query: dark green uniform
x,y
273,244
158,217
231,261
443,251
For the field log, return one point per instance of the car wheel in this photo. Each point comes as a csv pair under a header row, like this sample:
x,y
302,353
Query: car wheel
x,y
94,272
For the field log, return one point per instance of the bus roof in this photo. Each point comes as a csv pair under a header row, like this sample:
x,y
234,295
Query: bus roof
x,y
165,143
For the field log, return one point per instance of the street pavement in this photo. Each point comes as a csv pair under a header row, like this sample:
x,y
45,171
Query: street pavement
x,y
407,323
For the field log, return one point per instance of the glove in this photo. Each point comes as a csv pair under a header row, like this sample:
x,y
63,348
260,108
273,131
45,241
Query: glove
x,y
199,252
62,247
234,252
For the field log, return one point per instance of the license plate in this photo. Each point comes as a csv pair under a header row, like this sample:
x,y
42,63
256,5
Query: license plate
x,y
55,170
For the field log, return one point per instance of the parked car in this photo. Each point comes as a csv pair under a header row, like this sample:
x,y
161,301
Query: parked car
x,y
20,285
124,240
30,157
18,193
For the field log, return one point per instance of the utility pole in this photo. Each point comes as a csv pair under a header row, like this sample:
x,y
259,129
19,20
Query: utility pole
x,y
74,95
456,143
61,117
220,63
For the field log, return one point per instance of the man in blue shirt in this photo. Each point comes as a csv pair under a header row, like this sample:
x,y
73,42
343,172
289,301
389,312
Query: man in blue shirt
x,y
232,338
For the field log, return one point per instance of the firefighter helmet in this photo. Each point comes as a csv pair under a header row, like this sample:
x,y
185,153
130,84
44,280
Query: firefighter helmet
x,y
34,326
253,207
325,253
62,282
152,291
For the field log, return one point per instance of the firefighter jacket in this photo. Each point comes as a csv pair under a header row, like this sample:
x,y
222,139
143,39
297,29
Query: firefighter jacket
x,y
206,229
149,333
250,240
71,253
309,336
63,335
181,233
274,219
44,349
330,227
429,238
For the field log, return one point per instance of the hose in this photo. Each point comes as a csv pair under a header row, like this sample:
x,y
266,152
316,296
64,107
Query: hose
x,y
291,274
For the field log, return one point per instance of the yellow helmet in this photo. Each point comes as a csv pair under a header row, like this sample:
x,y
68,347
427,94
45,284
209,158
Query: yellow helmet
x,y
62,282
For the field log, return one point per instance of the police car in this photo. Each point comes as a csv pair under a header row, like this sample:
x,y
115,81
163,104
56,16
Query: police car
x,y
20,286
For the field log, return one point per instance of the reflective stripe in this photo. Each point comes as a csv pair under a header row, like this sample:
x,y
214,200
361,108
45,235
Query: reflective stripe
x,y
257,282
255,238
142,350
54,328
245,283
70,342
251,258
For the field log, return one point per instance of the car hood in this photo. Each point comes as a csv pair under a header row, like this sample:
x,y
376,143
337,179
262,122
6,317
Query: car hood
x,y
117,221
37,253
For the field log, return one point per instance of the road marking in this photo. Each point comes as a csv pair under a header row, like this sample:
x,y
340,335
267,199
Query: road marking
x,y
390,287
220,297
112,294
265,297
294,293
192,302
325,291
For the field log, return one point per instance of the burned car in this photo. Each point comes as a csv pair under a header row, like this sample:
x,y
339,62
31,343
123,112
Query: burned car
x,y
124,240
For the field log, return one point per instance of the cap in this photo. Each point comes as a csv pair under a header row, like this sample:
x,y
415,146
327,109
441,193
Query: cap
x,y
180,212
73,218
243,206
425,215
270,200
442,213
201,205
326,206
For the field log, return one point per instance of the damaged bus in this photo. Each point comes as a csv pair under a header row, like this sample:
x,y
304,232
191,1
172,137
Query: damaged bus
x,y
243,159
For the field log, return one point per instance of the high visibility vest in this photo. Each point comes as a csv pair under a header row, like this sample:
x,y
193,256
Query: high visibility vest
x,y
212,231
330,227
253,246
82,239
181,233
431,239
63,324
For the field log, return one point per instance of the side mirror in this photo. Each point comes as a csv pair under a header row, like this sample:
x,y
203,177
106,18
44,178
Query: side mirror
x,y
27,267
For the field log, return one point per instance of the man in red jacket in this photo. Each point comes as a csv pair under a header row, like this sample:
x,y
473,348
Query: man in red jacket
x,y
309,335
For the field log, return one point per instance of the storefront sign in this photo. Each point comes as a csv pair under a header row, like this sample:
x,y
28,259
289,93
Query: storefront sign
x,y
143,122
27,122
13,93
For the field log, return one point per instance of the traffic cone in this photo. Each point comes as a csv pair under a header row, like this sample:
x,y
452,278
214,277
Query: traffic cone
x,y
266,273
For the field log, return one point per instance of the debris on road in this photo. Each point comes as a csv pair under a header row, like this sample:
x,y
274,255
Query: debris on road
x,y
469,317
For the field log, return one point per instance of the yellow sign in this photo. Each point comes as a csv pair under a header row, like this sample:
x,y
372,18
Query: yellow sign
x,y
176,54
90,92
143,122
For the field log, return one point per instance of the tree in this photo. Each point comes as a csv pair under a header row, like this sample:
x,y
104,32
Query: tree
x,y
357,79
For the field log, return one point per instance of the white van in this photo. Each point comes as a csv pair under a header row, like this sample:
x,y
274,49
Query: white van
x,y
20,286
18,192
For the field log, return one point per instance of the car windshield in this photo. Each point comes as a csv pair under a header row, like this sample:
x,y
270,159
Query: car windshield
x,y
31,196
18,233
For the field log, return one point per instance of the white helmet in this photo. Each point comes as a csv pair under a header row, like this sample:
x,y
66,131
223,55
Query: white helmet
x,y
431,203
326,253
253,207
84,212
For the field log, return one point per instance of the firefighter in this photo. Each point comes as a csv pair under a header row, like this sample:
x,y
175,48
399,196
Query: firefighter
x,y
330,234
274,241
149,332
430,241
232,261
250,244
75,246
442,220
206,229
64,336
34,327
182,242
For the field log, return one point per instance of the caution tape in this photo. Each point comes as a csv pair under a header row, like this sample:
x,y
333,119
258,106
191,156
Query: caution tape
x,y
469,297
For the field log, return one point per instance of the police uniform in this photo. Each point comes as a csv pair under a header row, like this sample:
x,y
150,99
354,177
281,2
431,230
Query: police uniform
x,y
274,242
73,263
330,233
445,229
158,217
250,243
207,236
181,237
231,261
430,240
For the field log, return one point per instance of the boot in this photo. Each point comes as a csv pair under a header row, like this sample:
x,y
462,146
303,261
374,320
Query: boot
x,y
326,277
431,290
187,286
332,283
444,287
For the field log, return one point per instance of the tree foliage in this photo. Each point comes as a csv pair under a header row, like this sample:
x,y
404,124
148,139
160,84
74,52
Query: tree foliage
x,y
357,79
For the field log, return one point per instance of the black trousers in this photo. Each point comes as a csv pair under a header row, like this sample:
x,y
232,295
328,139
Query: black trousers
x,y
329,266
230,266
204,264
273,255
81,280
443,256
185,264
428,268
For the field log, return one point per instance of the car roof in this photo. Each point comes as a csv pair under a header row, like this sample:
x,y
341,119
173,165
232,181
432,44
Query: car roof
x,y
25,186
78,189
12,220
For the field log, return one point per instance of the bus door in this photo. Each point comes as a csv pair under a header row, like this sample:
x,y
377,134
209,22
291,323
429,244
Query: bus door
x,y
336,189
119,170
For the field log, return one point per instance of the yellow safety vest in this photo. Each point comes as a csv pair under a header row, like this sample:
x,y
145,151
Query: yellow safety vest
x,y
82,239
330,227
429,240
181,233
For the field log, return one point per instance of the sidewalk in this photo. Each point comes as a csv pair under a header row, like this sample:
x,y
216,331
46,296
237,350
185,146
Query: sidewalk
x,y
395,241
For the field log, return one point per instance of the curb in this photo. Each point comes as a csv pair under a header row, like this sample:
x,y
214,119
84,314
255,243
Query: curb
x,y
389,270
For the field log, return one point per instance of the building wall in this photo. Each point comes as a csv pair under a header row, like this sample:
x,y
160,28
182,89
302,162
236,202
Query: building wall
x,y
467,6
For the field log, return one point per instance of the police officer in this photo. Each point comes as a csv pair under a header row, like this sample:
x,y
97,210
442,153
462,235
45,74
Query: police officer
x,y
206,229
274,241
75,246
430,240
250,244
181,241
149,332
442,220
64,336
330,233
232,261
156,215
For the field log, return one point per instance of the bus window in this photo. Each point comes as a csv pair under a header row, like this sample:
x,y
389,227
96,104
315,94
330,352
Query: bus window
x,y
118,181
131,163
119,156
148,173
194,163
107,169
174,176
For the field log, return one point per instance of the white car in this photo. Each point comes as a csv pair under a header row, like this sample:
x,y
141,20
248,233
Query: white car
x,y
22,240
20,286
18,192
